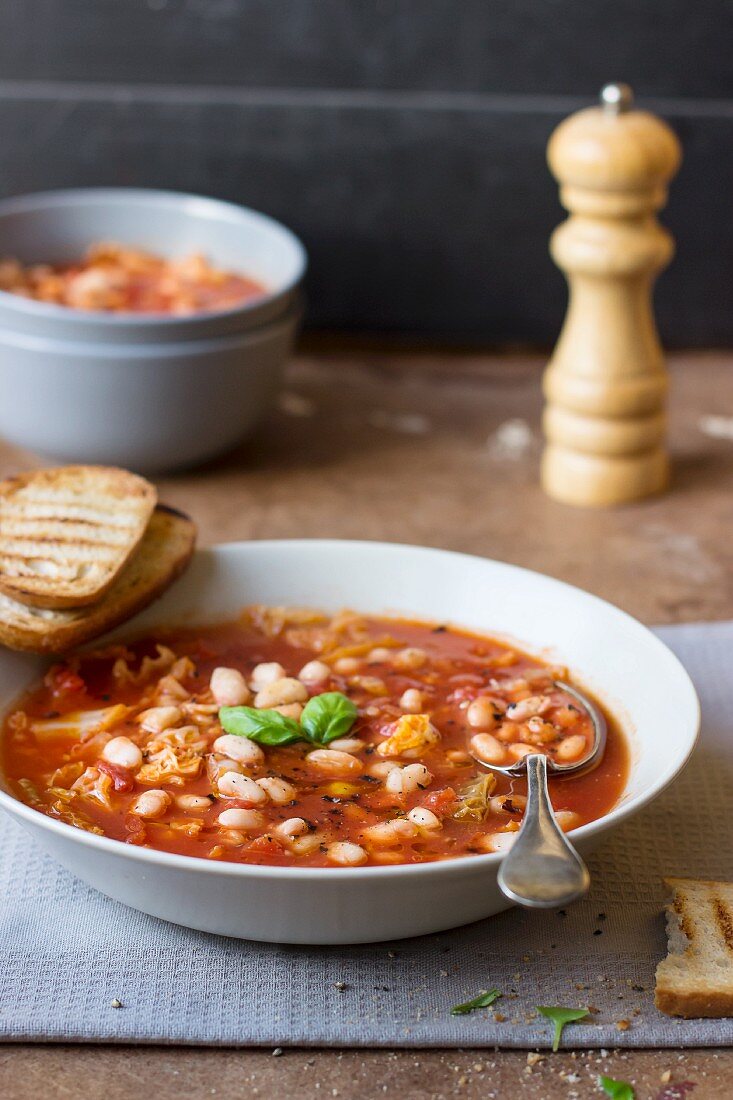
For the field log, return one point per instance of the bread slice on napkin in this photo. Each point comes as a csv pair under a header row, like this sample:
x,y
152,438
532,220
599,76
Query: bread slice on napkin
x,y
66,533
163,554
696,978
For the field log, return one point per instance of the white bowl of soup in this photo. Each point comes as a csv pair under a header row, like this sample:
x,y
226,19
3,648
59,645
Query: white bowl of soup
x,y
145,329
283,747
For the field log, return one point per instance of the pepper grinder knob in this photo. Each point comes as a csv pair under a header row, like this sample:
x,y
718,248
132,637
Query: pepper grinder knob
x,y
606,382
617,98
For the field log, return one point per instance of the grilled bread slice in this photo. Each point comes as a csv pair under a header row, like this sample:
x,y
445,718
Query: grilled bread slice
x,y
162,556
696,978
66,533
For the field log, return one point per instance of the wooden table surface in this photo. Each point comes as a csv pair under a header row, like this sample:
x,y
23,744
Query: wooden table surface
x,y
439,449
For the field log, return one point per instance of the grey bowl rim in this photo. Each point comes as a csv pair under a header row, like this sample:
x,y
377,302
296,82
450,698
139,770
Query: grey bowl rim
x,y
67,315
163,349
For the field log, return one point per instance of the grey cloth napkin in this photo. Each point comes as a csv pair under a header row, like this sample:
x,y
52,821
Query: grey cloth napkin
x,y
68,955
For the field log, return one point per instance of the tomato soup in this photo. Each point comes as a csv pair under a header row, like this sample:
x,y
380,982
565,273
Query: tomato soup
x,y
294,738
112,278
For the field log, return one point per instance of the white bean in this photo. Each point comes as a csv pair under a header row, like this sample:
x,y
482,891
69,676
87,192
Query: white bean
x,y
292,827
240,749
410,658
571,748
236,818
458,756
480,714
347,854
499,842
303,845
347,744
372,685
415,776
519,750
279,692
386,855
394,781
123,752
151,804
412,701
487,748
567,819
507,731
409,779
157,719
279,790
333,762
266,673
192,802
527,708
314,672
379,656
234,785
380,769
389,833
499,803
424,818
229,687
346,666
218,767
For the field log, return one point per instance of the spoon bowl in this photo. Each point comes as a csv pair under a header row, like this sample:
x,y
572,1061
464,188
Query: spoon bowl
x,y
542,869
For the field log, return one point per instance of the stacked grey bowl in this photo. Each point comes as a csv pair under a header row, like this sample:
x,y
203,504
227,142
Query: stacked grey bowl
x,y
146,391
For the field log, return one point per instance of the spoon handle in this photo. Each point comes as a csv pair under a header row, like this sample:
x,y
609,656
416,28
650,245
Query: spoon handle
x,y
542,870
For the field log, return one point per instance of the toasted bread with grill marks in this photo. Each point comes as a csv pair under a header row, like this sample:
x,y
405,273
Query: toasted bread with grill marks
x,y
163,554
696,978
66,533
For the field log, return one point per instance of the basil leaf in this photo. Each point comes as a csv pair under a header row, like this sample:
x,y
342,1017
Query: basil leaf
x,y
328,716
482,1001
617,1090
265,726
560,1017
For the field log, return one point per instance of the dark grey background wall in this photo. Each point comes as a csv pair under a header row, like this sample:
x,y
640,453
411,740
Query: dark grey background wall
x,y
403,139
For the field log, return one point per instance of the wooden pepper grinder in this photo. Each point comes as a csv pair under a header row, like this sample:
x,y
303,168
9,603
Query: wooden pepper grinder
x,y
606,382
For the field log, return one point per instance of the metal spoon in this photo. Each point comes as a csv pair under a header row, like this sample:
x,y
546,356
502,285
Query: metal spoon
x,y
542,870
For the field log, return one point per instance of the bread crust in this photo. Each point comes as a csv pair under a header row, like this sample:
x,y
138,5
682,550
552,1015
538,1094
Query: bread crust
x,y
162,556
693,1006
64,515
686,982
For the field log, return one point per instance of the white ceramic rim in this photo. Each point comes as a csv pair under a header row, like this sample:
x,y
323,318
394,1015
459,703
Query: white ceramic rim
x,y
440,869
139,195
